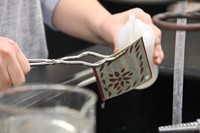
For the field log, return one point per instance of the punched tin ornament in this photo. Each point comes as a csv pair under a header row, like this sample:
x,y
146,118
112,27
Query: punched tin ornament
x,y
129,70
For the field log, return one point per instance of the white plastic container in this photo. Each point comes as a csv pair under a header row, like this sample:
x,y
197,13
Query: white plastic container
x,y
132,31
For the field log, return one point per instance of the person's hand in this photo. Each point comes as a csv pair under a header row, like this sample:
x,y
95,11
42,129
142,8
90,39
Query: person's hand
x,y
113,23
13,64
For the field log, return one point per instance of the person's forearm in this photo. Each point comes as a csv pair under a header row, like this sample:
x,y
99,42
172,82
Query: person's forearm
x,y
82,19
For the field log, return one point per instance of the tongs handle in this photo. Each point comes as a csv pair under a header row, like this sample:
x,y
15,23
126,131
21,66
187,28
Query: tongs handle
x,y
40,62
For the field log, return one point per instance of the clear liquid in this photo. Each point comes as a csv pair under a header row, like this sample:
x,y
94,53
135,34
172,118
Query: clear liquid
x,y
47,122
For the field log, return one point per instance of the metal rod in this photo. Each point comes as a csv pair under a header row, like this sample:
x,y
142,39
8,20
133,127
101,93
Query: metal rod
x,y
179,68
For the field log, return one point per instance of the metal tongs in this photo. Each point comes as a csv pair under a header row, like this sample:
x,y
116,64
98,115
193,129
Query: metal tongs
x,y
71,60
115,74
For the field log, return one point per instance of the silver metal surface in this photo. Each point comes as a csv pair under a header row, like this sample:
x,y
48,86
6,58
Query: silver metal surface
x,y
179,68
190,127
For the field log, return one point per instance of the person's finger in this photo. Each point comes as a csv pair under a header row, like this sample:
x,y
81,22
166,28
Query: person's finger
x,y
158,54
158,34
4,78
15,71
23,62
